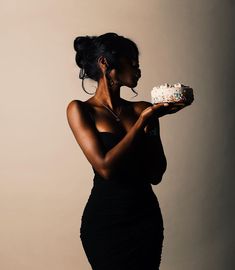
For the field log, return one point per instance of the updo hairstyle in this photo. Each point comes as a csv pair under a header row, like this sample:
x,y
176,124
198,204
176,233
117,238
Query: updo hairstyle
x,y
110,45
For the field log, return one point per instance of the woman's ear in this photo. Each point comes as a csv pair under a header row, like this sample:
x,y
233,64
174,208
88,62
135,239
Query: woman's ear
x,y
102,63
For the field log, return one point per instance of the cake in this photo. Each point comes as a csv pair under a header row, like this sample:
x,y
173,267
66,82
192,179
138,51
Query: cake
x,y
177,92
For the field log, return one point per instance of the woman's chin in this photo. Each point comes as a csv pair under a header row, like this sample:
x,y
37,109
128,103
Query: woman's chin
x,y
134,84
131,84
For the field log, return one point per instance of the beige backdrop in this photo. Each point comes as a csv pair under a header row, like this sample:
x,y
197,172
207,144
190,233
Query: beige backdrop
x,y
46,180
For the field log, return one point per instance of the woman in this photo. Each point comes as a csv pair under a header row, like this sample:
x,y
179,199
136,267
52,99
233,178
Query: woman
x,y
122,227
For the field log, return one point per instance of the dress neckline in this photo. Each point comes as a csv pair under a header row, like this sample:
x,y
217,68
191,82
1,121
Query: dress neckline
x,y
108,132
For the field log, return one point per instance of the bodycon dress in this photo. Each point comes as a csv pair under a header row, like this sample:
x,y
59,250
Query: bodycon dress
x,y
121,225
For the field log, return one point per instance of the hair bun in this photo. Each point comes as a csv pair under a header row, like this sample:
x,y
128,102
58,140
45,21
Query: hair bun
x,y
82,45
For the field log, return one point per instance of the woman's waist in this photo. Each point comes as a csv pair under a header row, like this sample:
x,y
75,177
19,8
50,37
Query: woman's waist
x,y
121,203
122,183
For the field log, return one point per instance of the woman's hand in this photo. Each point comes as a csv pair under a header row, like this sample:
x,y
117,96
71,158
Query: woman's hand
x,y
159,109
154,109
172,107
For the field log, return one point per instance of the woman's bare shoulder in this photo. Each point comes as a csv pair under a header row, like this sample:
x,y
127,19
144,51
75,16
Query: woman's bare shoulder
x,y
74,103
77,104
77,108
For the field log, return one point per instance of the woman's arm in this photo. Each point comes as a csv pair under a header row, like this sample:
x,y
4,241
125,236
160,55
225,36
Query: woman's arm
x,y
86,135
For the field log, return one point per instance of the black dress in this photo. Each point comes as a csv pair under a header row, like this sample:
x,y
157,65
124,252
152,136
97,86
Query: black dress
x,y
121,225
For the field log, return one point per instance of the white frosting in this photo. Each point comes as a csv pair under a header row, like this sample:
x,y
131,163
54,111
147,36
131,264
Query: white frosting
x,y
171,93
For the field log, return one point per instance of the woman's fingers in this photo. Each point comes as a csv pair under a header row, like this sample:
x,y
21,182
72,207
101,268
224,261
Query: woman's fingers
x,y
164,108
159,105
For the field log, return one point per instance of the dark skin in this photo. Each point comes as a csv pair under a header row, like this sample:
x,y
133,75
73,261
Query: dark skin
x,y
137,119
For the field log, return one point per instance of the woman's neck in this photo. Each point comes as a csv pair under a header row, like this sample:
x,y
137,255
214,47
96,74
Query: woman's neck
x,y
109,96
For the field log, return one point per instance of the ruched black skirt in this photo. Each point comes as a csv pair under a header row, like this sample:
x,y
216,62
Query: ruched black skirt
x,y
122,229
